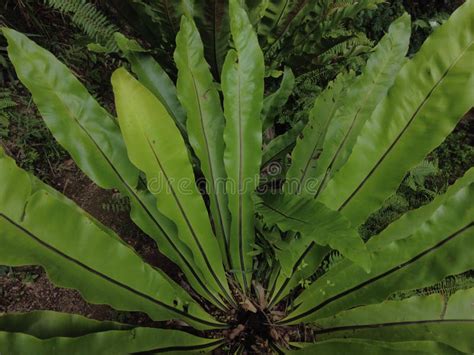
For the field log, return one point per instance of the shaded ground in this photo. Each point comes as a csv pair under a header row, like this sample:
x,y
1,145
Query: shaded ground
x,y
27,288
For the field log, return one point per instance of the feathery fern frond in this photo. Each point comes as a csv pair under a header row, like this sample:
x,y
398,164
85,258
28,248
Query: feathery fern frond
x,y
89,19
306,25
117,203
5,103
343,44
212,17
331,260
417,176
335,56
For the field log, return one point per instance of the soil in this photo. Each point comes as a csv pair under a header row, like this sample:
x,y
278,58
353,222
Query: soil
x,y
27,289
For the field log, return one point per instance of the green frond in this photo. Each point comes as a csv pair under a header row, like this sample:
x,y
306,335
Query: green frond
x,y
328,263
416,178
89,19
117,203
303,28
6,103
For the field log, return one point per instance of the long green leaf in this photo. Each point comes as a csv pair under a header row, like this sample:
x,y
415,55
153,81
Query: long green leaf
x,y
310,143
212,18
430,95
362,99
77,253
279,18
63,101
373,347
282,144
49,324
303,25
412,220
303,269
271,17
60,333
205,123
434,250
93,139
154,78
12,175
316,223
274,102
156,147
418,318
242,84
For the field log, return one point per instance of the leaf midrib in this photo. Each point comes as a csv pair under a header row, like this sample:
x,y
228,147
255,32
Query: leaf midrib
x,y
277,22
188,222
133,193
351,127
391,324
283,214
167,11
240,192
106,277
405,128
302,5
295,268
211,165
317,141
183,348
380,276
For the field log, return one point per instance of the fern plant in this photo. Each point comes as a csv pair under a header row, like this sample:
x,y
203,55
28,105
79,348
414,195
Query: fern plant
x,y
304,35
309,34
6,104
89,19
158,23
117,203
364,133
